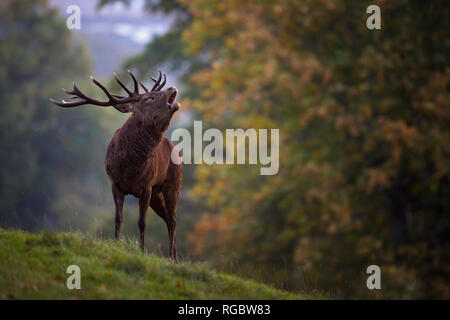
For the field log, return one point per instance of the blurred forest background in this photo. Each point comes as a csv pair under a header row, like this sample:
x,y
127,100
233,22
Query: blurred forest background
x,y
364,119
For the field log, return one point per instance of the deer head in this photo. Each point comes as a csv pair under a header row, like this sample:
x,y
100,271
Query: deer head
x,y
153,107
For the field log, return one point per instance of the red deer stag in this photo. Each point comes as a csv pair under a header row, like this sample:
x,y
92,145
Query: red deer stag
x,y
138,159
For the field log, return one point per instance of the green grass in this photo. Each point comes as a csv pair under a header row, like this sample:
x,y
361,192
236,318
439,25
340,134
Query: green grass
x,y
33,266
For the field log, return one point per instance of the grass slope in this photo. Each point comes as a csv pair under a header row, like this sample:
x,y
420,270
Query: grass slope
x,y
33,266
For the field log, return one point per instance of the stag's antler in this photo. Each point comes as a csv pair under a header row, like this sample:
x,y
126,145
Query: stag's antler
x,y
113,100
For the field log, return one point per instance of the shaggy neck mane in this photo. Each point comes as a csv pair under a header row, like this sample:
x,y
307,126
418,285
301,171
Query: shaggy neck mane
x,y
141,140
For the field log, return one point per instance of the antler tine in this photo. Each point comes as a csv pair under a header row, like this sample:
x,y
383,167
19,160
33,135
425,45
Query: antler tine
x,y
163,83
111,98
157,82
66,104
136,87
84,99
143,87
122,85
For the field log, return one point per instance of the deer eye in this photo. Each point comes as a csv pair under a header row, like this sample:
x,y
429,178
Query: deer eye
x,y
149,99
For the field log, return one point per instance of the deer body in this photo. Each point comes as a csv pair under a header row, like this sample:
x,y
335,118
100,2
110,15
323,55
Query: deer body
x,y
138,162
138,158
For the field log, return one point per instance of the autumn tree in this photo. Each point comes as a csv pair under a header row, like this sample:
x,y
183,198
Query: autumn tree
x,y
364,124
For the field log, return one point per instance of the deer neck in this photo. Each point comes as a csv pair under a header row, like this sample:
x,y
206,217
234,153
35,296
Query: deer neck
x,y
140,139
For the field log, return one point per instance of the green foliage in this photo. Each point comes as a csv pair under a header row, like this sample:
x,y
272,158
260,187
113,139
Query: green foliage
x,y
47,152
34,266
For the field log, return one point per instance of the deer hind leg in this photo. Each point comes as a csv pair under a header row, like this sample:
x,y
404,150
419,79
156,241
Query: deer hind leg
x,y
157,203
171,199
118,202
143,207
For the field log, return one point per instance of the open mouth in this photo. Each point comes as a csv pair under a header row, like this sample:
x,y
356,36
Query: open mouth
x,y
172,97
174,106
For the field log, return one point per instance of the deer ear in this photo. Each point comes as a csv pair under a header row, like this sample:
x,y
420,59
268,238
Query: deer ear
x,y
124,108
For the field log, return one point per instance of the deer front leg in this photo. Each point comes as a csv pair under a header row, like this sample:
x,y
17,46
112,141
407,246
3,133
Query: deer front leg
x,y
144,202
118,202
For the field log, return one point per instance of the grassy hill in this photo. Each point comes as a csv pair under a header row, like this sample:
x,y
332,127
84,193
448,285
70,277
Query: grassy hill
x,y
33,266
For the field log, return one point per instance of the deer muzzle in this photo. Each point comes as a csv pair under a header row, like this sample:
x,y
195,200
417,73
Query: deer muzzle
x,y
171,94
